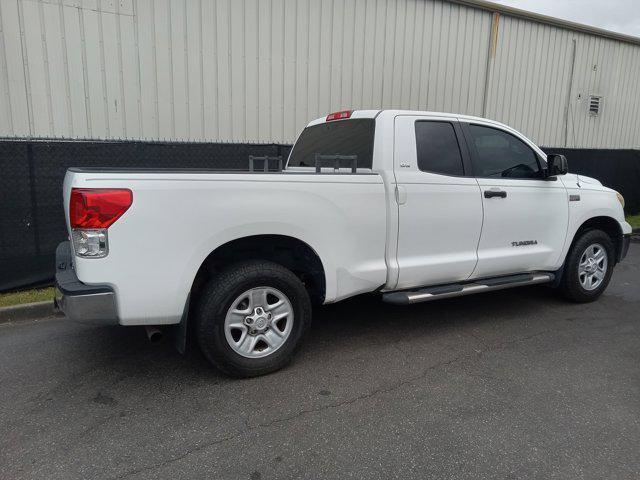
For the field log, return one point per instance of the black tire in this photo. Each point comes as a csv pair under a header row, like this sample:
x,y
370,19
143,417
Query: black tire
x,y
216,299
570,285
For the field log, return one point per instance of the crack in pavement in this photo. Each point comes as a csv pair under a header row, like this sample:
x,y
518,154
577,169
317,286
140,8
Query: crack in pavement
x,y
189,451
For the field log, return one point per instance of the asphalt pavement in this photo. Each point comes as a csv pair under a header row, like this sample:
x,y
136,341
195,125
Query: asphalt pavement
x,y
512,384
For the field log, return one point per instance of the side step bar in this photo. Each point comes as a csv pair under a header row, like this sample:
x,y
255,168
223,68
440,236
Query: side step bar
x,y
460,289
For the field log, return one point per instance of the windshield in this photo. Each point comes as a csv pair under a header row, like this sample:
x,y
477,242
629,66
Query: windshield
x,y
343,137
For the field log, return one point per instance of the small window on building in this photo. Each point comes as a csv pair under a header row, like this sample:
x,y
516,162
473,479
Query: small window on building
x,y
595,103
437,148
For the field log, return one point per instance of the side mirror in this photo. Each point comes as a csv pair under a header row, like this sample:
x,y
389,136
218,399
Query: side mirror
x,y
556,165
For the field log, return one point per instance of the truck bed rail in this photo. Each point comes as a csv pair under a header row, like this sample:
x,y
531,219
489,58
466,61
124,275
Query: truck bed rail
x,y
265,163
334,161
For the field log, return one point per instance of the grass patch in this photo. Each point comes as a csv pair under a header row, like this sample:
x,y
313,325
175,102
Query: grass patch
x,y
634,220
26,296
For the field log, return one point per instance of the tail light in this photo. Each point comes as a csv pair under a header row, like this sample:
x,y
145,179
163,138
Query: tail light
x,y
91,212
343,115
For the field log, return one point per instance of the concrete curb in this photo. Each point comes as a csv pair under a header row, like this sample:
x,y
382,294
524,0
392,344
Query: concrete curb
x,y
26,311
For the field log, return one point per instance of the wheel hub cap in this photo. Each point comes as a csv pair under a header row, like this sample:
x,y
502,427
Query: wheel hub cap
x,y
258,322
593,266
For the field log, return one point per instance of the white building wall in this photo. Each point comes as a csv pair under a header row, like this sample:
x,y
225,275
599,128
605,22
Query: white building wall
x,y
259,70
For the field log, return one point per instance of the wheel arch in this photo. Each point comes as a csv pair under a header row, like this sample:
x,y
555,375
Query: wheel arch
x,y
607,224
290,252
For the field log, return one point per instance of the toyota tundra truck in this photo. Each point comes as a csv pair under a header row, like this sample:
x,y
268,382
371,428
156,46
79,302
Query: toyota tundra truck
x,y
413,206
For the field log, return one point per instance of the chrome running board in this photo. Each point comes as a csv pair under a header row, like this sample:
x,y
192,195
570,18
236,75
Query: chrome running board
x,y
460,289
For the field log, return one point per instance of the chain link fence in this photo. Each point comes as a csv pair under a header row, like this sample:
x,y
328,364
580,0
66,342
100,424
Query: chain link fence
x,y
31,174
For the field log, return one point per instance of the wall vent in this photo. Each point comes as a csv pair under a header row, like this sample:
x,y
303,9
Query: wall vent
x,y
595,103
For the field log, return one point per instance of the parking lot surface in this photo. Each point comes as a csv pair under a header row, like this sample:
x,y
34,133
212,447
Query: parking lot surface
x,y
511,384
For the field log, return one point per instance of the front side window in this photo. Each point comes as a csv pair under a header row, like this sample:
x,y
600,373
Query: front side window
x,y
342,137
437,148
502,155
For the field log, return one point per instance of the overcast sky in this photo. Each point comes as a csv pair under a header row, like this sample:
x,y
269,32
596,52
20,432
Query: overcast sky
x,y
618,15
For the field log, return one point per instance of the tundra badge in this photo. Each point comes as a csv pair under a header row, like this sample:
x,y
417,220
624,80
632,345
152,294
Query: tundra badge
x,y
524,243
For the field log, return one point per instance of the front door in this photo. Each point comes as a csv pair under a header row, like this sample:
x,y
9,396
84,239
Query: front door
x,y
525,215
439,203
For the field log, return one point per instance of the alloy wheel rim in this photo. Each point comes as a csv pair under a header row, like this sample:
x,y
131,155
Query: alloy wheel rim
x,y
592,268
258,322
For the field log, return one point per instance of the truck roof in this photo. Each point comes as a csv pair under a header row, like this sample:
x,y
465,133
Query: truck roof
x,y
394,112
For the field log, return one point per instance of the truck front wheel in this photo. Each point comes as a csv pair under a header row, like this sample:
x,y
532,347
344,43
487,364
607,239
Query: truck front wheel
x,y
252,317
588,267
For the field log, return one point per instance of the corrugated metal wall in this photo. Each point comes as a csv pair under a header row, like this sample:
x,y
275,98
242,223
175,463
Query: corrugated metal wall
x,y
259,70
535,66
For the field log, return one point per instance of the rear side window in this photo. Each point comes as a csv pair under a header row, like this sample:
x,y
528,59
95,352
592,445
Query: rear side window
x,y
342,137
437,148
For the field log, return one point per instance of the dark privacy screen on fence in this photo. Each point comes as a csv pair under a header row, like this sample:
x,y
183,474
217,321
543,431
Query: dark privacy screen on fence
x,y
31,173
617,169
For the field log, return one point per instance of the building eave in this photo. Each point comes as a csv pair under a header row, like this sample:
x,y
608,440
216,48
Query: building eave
x,y
547,20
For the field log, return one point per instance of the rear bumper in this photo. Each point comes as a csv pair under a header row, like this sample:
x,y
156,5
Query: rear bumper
x,y
94,304
624,247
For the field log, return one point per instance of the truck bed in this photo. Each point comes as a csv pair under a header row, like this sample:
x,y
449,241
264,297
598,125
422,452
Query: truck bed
x,y
179,216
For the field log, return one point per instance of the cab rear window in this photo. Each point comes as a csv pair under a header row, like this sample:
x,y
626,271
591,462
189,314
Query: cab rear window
x,y
342,137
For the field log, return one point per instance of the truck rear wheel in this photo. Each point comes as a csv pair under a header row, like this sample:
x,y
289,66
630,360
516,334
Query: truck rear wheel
x,y
252,317
588,267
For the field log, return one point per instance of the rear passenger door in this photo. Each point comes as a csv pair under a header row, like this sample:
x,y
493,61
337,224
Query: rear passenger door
x,y
439,202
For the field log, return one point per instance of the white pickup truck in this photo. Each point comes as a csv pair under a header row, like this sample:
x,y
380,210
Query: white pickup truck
x,y
416,206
